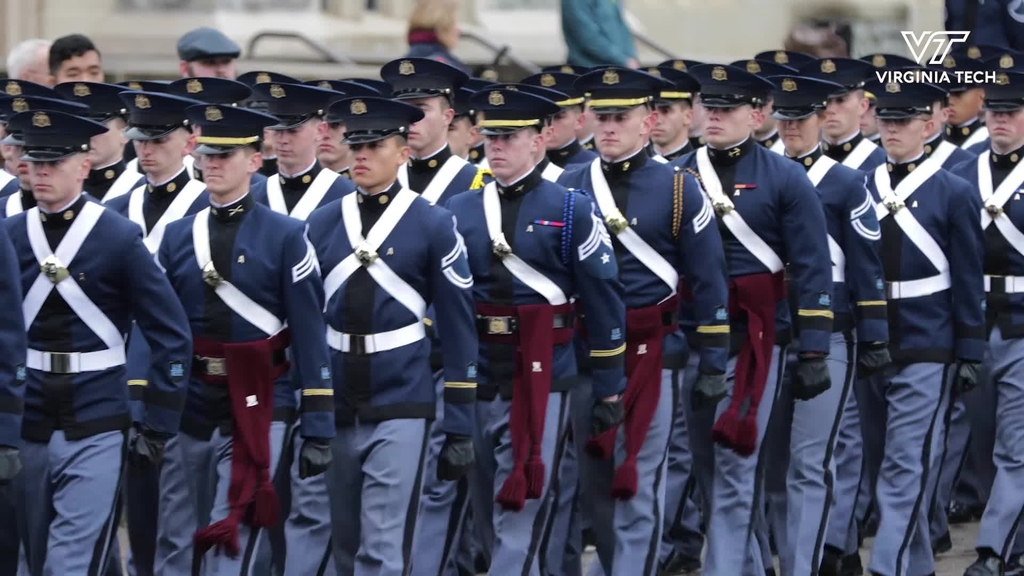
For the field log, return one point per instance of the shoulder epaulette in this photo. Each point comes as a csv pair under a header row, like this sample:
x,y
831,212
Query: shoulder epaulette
x,y
478,180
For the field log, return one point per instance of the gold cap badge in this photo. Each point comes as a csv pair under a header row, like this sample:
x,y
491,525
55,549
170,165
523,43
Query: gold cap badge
x,y
41,120
262,78
610,77
781,57
1002,79
828,66
406,68
679,65
1006,61
141,102
213,114
496,99
13,89
892,88
878,61
81,90
19,105
789,85
567,69
277,91
194,86
547,80
135,86
719,74
653,71
325,85
357,107
753,67
974,52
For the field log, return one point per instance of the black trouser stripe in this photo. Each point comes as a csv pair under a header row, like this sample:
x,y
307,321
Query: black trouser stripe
x,y
829,449
455,518
947,418
414,499
651,564
105,541
925,466
759,469
688,487
540,522
325,561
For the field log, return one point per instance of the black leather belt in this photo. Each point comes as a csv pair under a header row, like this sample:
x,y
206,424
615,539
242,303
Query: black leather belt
x,y
502,325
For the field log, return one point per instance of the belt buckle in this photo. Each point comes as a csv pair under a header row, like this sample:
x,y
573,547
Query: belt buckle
x,y
892,290
211,276
999,285
214,366
499,325
61,362
357,344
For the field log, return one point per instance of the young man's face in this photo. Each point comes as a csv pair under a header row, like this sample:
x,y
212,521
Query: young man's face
x,y
460,136
85,68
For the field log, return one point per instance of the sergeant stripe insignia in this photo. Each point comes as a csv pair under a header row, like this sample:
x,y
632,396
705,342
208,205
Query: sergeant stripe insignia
x,y
308,264
706,215
458,255
857,215
598,236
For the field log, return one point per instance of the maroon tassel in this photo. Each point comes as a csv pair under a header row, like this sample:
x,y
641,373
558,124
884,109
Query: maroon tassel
x,y
512,495
266,509
626,480
534,477
726,429
222,535
602,445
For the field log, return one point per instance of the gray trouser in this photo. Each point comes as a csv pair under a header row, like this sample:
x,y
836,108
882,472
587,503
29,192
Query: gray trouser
x,y
735,490
69,502
849,460
443,509
916,397
812,426
307,530
681,534
374,489
871,400
628,532
208,464
999,525
519,542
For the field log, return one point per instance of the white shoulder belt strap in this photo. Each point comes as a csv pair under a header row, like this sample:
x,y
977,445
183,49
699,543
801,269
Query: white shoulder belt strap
x,y
942,152
816,174
13,204
439,183
54,275
235,299
659,159
732,218
860,153
977,137
123,184
632,241
176,211
309,201
992,212
5,177
551,172
520,269
779,147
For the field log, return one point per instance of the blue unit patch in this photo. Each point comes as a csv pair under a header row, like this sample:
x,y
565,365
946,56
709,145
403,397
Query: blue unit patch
x,y
824,299
471,371
325,372
984,304
879,284
721,313
616,334
19,373
177,370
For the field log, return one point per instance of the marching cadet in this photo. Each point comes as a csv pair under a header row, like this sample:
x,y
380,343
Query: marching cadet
x,y
868,122
858,302
68,496
769,213
476,150
564,150
531,245
22,199
585,131
110,177
767,134
249,280
433,171
664,231
462,130
998,175
8,173
13,341
301,185
331,152
387,255
936,318
158,511
965,128
549,170
671,132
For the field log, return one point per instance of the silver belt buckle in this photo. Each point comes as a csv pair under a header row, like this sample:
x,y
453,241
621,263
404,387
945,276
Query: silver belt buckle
x,y
892,290
215,366
61,362
499,325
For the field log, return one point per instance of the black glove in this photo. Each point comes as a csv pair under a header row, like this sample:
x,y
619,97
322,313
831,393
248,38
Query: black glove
x,y
146,448
10,464
811,377
314,458
872,358
456,457
606,415
708,390
966,378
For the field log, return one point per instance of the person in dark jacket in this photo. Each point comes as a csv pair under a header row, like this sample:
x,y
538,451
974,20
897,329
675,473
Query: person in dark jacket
x,y
434,32
596,34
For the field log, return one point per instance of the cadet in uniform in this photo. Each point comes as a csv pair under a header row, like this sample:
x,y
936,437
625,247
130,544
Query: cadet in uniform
x,y
936,317
331,152
249,280
564,150
76,402
664,231
532,245
998,174
769,213
767,134
160,518
433,171
671,133
251,79
387,255
965,128
13,342
811,425
463,127
585,131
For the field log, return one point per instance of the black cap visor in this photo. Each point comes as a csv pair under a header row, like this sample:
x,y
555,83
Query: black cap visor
x,y
291,122
357,137
12,139
49,153
902,113
415,93
139,133
1001,105
796,113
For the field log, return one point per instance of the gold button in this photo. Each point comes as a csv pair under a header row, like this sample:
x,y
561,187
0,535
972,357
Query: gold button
x,y
847,147
307,179
172,187
1014,157
825,147
69,214
889,166
911,166
383,199
928,149
474,154
108,174
625,167
808,161
965,131
432,164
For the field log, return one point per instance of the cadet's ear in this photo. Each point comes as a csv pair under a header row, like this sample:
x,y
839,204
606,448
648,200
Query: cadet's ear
x,y
756,118
255,161
687,115
581,120
183,69
929,125
190,144
448,113
864,104
650,119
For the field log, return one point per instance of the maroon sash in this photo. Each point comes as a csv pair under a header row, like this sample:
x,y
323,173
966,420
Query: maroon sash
x,y
250,377
535,340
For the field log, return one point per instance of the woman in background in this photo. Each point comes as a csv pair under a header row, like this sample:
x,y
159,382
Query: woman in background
x,y
434,32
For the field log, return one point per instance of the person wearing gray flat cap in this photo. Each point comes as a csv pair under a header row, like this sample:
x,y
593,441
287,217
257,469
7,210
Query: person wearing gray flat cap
x,y
207,52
